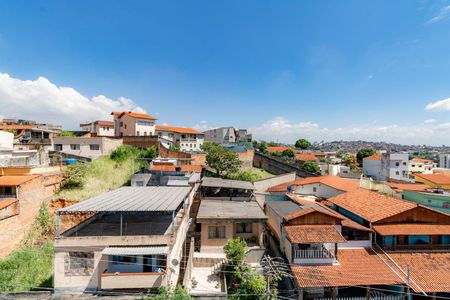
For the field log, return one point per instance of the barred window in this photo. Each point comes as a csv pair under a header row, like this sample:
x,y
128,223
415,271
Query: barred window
x,y
216,232
79,263
243,227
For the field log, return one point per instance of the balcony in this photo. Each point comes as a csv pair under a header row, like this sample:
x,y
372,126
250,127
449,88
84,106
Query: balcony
x,y
319,256
140,280
8,196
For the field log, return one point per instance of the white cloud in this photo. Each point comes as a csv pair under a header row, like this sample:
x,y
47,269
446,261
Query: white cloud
x,y
282,130
441,105
43,101
429,121
202,126
443,14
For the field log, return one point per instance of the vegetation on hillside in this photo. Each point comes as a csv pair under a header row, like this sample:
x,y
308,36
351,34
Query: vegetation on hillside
x,y
311,167
32,264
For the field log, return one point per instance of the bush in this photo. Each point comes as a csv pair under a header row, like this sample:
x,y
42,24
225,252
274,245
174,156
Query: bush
x,y
288,153
246,175
235,251
179,293
125,152
75,175
311,167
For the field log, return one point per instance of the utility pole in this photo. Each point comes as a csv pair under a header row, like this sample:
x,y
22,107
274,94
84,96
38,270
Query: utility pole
x,y
408,280
274,266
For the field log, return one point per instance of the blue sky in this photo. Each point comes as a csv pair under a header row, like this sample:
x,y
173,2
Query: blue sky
x,y
325,70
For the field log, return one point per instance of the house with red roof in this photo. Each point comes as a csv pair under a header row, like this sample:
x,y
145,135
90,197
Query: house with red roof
x,y
187,139
99,127
129,123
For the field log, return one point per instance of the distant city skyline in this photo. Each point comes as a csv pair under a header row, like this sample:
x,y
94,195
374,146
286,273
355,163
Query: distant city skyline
x,y
347,70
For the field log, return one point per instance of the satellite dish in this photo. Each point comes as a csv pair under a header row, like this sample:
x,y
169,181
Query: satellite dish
x,y
175,262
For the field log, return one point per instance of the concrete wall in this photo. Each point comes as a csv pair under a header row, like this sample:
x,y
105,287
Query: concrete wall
x,y
247,158
398,166
106,145
221,135
262,185
230,233
372,168
278,166
6,141
274,221
317,189
444,161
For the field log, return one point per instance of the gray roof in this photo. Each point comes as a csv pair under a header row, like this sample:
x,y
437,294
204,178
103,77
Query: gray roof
x,y
227,183
153,250
283,208
227,210
133,199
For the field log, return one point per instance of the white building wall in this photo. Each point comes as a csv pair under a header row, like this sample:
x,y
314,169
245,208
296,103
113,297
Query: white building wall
x,y
144,127
318,190
398,166
444,161
372,168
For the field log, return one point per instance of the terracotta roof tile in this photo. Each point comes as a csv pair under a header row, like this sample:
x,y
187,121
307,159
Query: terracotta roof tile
x,y
279,148
15,180
356,267
430,270
133,115
346,222
412,229
184,168
333,181
6,203
307,209
373,157
437,178
16,127
305,157
421,160
400,187
370,205
178,129
305,234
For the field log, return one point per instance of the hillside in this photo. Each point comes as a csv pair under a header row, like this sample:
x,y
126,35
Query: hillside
x,y
31,266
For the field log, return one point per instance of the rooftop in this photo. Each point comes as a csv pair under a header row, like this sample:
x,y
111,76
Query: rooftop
x,y
15,180
310,208
305,156
172,168
429,270
371,205
133,115
229,210
100,123
373,157
400,187
412,229
133,199
306,234
279,148
227,183
356,267
283,208
333,181
421,160
178,129
437,178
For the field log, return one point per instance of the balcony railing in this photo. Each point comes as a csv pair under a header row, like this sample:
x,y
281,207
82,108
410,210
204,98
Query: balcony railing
x,y
313,253
8,196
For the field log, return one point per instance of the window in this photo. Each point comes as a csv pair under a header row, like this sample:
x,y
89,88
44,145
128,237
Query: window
x,y
216,232
79,263
144,123
118,260
121,124
137,133
314,189
58,147
145,132
413,166
74,146
397,173
243,227
397,164
125,126
404,163
94,147
7,190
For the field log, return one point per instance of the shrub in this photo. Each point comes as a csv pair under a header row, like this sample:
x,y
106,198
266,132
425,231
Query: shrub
x,y
311,167
74,175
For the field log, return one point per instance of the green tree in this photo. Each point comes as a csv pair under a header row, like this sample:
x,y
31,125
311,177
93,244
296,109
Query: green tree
x,y
288,153
302,144
235,251
223,160
348,159
262,146
174,148
67,133
272,144
362,153
311,167
206,146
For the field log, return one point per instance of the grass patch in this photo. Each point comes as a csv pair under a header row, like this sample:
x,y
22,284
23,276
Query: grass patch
x,y
250,174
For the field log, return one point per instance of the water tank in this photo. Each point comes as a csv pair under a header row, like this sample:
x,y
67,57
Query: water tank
x,y
71,161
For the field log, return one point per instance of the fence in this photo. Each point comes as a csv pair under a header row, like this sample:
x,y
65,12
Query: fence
x,y
378,297
312,253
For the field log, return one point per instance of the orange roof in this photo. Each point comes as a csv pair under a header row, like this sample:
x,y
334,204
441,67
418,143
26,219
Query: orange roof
x,y
412,229
178,129
16,127
305,157
429,270
15,180
184,168
133,115
422,160
333,181
345,222
306,210
299,200
370,205
437,178
305,234
100,123
356,267
278,148
400,187
373,157
6,203
318,153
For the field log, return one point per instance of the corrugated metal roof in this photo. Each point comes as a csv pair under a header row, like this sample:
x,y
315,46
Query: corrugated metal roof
x,y
283,208
155,250
227,183
133,199
229,210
